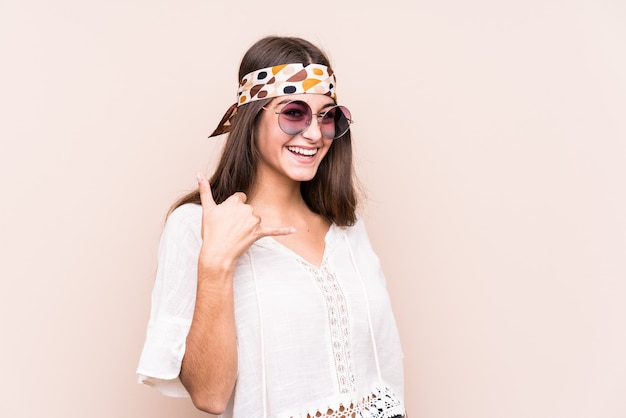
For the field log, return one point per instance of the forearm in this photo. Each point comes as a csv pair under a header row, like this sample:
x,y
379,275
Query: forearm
x,y
209,367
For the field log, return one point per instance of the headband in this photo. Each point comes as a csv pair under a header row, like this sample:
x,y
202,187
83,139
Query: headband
x,y
280,80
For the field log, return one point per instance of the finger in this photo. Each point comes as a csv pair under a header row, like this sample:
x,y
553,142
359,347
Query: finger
x,y
241,196
282,230
206,196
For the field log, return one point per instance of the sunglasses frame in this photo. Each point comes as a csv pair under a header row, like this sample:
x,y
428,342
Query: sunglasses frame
x,y
320,116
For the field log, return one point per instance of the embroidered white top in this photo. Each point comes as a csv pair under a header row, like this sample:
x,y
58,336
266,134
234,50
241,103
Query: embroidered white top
x,y
310,338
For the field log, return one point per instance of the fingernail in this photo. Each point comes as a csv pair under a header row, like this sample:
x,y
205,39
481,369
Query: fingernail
x,y
199,177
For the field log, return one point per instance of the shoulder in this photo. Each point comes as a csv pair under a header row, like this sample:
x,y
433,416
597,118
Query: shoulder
x,y
356,231
186,214
185,220
359,224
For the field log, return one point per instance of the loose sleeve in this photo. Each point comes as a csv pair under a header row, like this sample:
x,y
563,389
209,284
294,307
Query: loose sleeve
x,y
385,329
173,301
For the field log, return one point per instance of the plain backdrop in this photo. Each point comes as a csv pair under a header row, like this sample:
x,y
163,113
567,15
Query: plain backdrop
x,y
490,136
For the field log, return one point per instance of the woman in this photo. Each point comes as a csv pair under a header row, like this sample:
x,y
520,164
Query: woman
x,y
268,299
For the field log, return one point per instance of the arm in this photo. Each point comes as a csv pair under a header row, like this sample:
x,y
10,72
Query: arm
x,y
209,367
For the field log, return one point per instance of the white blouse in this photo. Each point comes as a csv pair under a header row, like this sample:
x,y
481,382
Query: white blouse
x,y
311,339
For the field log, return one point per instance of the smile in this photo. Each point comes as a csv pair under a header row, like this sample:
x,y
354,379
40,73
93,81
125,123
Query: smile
x,y
303,151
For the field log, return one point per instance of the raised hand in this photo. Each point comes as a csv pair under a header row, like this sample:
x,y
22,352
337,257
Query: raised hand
x,y
228,229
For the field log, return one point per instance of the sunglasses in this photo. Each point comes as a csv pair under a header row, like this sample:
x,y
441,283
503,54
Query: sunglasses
x,y
296,116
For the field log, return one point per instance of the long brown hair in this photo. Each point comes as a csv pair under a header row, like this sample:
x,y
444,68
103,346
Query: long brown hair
x,y
331,193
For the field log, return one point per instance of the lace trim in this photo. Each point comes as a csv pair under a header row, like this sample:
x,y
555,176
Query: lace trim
x,y
338,323
380,404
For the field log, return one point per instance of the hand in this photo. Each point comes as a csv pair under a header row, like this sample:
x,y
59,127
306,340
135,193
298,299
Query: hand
x,y
230,228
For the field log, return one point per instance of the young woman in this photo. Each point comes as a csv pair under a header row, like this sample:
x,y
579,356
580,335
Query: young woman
x,y
269,300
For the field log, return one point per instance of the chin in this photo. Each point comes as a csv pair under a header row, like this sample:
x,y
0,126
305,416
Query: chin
x,y
303,176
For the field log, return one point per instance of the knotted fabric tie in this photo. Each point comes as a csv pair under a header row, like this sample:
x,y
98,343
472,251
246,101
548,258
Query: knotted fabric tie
x,y
280,80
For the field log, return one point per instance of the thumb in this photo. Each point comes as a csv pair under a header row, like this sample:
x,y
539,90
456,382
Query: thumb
x,y
206,196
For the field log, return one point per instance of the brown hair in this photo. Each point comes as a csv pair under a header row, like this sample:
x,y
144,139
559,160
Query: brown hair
x,y
331,193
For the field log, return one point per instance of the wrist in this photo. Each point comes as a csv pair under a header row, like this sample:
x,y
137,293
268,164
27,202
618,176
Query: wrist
x,y
215,269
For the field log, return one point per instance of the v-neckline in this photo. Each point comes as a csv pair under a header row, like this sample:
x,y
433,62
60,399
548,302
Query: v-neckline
x,y
327,246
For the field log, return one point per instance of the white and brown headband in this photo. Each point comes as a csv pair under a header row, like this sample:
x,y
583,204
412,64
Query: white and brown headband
x,y
280,80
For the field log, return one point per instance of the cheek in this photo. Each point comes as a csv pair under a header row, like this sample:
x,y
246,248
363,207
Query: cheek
x,y
263,137
270,132
269,144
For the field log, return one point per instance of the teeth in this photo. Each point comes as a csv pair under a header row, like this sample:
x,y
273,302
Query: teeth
x,y
302,151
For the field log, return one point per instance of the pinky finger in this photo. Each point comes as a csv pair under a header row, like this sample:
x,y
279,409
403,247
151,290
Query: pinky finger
x,y
285,230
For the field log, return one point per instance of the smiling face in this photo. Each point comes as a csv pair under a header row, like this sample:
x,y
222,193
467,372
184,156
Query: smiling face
x,y
291,157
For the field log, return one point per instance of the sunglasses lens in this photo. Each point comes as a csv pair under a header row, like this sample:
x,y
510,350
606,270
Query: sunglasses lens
x,y
336,122
294,117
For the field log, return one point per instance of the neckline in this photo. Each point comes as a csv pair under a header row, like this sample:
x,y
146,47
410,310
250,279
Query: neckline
x,y
328,241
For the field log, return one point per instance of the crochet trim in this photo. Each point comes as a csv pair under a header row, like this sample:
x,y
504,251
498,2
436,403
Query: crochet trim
x,y
381,403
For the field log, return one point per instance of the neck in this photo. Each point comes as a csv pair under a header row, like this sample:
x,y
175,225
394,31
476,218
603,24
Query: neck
x,y
285,195
280,203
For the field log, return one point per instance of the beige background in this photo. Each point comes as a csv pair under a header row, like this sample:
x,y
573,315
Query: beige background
x,y
490,136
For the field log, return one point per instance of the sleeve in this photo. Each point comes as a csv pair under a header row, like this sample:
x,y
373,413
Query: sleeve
x,y
386,333
173,301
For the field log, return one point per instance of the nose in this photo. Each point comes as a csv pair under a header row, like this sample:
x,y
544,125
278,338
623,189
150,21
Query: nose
x,y
313,132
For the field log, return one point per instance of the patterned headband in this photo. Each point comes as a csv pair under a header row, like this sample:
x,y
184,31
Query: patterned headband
x,y
280,80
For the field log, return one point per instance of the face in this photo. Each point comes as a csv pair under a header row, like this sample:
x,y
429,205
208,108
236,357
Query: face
x,y
294,157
